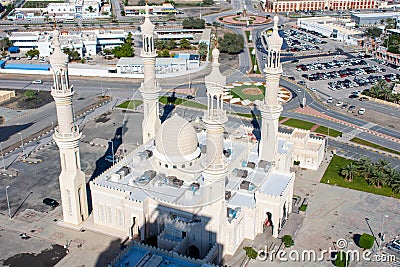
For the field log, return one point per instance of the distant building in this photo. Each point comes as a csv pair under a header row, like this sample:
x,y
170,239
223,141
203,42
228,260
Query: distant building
x,y
328,27
87,43
307,5
195,36
134,65
374,18
164,9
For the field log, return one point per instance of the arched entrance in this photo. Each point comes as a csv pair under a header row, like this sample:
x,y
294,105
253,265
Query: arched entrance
x,y
193,252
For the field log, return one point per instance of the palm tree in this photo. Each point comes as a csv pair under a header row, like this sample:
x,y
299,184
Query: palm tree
x,y
349,171
377,178
382,166
395,182
366,169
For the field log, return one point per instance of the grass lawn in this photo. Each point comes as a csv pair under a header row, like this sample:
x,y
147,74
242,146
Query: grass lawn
x,y
324,130
332,174
299,124
247,36
237,91
179,101
366,143
132,104
254,62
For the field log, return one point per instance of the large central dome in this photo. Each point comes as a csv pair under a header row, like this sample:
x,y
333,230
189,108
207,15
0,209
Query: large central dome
x,y
176,141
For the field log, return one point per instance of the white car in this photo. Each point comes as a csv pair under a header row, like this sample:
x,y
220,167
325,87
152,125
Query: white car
x,y
37,82
330,100
338,104
299,90
361,111
312,89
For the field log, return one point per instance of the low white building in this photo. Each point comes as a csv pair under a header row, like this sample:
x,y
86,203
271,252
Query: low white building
x,y
87,43
331,28
134,65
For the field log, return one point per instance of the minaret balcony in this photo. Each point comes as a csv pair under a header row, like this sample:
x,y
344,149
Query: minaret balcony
x,y
63,92
218,116
71,135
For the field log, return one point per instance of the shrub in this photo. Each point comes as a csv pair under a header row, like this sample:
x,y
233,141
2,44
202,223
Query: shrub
x,y
288,241
251,252
31,94
366,241
342,259
303,208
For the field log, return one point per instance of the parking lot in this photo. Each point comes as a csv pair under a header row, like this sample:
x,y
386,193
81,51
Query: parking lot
x,y
298,41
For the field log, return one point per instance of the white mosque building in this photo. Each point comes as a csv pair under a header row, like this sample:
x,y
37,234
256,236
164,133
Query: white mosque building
x,y
199,191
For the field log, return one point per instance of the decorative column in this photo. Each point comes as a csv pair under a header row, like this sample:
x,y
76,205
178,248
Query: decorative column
x,y
149,88
271,108
67,136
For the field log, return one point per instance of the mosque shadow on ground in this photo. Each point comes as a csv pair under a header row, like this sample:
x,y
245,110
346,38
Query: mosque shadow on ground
x,y
102,164
7,131
114,248
172,224
255,114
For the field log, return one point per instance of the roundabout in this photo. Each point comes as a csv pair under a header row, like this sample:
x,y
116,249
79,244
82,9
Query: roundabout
x,y
247,93
244,20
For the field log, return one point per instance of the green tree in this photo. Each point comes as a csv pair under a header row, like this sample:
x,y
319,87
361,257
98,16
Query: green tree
x,y
184,44
231,43
394,181
72,54
366,241
107,51
170,44
373,32
349,172
202,50
160,44
251,252
288,241
31,94
165,53
125,50
377,178
90,8
192,23
342,259
32,53
142,2
5,43
208,3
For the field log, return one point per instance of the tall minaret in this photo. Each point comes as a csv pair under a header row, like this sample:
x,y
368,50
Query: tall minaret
x,y
149,89
215,168
67,136
271,108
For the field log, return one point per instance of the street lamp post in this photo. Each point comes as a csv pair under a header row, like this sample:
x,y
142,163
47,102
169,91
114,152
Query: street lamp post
x,y
382,237
8,202
22,145
2,156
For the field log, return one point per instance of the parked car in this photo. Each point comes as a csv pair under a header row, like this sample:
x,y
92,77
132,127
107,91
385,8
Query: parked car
x,y
330,100
190,97
351,108
338,104
50,202
393,246
361,111
312,89
362,99
37,82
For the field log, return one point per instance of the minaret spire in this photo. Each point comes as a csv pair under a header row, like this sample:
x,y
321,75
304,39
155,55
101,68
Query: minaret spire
x,y
271,108
67,136
149,88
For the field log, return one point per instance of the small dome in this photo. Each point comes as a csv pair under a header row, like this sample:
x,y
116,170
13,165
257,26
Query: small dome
x,y
274,41
176,141
58,57
147,26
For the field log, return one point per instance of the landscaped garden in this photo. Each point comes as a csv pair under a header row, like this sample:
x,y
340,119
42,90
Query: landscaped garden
x,y
363,175
180,101
131,104
306,125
